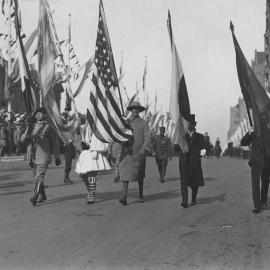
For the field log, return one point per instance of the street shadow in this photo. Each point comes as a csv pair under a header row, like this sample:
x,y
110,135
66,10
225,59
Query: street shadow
x,y
8,177
14,184
17,192
209,200
209,179
100,197
64,198
166,195
169,179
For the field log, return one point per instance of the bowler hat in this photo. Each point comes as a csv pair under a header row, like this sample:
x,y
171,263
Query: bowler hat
x,y
136,105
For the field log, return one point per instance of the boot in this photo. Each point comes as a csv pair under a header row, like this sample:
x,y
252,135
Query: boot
x,y
123,199
67,180
34,199
91,197
42,194
141,198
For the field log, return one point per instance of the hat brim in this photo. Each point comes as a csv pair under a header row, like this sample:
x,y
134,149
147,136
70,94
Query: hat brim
x,y
140,108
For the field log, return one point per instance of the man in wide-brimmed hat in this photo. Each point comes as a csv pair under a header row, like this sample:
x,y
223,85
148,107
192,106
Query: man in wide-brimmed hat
x,y
43,142
190,167
139,149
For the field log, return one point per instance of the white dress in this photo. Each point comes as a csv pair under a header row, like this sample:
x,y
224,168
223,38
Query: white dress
x,y
93,159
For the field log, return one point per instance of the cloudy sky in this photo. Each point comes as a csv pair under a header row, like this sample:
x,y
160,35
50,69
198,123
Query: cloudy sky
x,y
138,29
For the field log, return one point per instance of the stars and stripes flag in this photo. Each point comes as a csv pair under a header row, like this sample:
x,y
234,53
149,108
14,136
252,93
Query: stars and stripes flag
x,y
103,114
179,101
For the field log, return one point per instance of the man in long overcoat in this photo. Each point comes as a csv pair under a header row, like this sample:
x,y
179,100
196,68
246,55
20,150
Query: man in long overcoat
x,y
190,167
140,147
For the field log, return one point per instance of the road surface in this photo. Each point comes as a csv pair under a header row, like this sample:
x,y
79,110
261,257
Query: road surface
x,y
220,232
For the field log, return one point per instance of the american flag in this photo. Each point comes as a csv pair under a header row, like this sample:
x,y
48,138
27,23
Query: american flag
x,y
104,115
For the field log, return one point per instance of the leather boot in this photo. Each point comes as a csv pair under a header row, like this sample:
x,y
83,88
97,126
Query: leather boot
x,y
66,179
34,199
42,194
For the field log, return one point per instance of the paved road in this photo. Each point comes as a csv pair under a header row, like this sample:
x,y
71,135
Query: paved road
x,y
220,232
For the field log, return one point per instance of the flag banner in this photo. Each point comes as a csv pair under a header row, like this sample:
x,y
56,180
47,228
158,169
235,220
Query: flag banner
x,y
179,101
255,97
103,114
86,68
53,74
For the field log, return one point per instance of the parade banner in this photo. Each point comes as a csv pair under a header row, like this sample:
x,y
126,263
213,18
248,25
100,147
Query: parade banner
x,y
179,108
255,97
52,71
103,114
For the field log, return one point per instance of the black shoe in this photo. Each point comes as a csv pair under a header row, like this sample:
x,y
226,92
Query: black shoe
x,y
256,210
141,200
42,194
184,205
193,202
34,199
68,181
123,200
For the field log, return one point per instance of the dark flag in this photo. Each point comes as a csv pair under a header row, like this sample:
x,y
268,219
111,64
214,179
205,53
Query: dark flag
x,y
179,101
26,82
255,97
104,115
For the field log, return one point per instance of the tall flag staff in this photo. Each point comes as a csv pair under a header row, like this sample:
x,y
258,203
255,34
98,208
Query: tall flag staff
x,y
255,97
68,101
179,108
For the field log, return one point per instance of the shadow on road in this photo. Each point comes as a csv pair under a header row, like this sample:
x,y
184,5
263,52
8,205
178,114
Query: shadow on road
x,y
8,177
172,179
208,200
209,179
162,195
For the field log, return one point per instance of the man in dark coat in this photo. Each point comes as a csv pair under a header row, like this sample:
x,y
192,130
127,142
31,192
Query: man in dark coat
x,y
162,148
259,168
190,164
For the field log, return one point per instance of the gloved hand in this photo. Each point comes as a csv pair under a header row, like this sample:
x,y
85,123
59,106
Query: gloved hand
x,y
57,161
203,152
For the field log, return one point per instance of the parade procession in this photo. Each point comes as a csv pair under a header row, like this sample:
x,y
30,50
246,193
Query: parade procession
x,y
119,144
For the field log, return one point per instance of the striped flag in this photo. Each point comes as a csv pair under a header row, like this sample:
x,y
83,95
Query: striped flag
x,y
104,115
52,74
179,101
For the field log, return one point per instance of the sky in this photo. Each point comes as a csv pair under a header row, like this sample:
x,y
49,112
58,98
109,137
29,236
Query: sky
x,y
139,28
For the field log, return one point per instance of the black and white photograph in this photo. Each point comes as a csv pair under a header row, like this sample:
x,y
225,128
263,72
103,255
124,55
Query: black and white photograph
x,y
134,135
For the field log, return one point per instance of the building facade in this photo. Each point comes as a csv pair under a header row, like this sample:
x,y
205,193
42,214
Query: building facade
x,y
267,48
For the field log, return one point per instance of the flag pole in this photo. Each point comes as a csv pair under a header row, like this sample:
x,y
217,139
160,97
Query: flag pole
x,y
248,110
9,75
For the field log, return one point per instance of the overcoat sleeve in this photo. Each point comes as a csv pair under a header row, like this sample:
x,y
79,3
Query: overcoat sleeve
x,y
147,138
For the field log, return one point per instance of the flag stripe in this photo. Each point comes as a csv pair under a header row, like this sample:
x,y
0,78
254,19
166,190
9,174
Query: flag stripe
x,y
104,103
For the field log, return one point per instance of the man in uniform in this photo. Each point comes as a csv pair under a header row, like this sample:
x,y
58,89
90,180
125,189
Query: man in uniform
x,y
163,151
139,149
190,167
43,142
